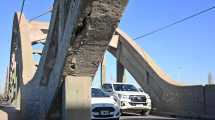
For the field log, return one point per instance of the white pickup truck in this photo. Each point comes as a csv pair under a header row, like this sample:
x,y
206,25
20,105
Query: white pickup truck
x,y
130,99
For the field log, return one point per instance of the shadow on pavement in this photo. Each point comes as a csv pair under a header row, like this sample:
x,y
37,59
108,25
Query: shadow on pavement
x,y
140,117
9,113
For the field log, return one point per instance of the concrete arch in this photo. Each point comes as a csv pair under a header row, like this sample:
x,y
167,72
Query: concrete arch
x,y
22,66
77,38
165,92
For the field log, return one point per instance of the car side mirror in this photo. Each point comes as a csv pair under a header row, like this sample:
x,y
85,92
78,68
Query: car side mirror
x,y
115,98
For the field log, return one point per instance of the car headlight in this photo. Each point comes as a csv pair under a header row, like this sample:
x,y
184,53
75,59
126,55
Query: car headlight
x,y
149,100
147,96
125,97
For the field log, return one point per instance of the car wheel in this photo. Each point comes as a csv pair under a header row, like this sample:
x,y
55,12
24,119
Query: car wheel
x,y
146,113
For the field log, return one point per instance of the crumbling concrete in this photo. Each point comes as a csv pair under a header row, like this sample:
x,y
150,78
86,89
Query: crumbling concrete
x,y
78,36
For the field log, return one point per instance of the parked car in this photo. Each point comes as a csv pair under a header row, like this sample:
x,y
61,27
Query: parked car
x,y
104,106
131,100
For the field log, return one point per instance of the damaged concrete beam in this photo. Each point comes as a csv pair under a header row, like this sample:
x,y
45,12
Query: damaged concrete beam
x,y
78,36
93,34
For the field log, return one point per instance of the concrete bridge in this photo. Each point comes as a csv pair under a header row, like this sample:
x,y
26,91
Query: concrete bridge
x,y
73,46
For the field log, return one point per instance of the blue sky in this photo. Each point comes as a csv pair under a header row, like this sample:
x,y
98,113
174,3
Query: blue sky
x,y
7,10
184,51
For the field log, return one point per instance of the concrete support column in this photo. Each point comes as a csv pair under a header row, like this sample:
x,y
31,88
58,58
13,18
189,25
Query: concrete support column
x,y
76,98
103,71
120,72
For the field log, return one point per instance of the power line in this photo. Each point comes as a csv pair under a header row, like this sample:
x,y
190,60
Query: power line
x,y
174,23
23,4
45,13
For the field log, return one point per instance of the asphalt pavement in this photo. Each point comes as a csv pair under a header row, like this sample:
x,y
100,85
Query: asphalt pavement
x,y
8,112
150,117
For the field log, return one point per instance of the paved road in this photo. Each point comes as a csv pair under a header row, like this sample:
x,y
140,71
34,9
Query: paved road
x,y
8,112
150,117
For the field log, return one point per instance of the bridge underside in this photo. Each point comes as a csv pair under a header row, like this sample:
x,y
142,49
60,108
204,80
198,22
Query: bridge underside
x,y
79,33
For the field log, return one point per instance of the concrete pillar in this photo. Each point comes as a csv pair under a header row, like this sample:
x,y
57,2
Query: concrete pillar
x,y
120,71
76,98
125,77
103,71
18,100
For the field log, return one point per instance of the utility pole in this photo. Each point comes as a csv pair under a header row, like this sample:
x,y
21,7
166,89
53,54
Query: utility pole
x,y
210,79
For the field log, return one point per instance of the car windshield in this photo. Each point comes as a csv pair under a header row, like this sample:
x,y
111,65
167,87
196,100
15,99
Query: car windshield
x,y
98,93
124,87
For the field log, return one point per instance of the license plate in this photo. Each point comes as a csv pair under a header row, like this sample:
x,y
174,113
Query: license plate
x,y
105,113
